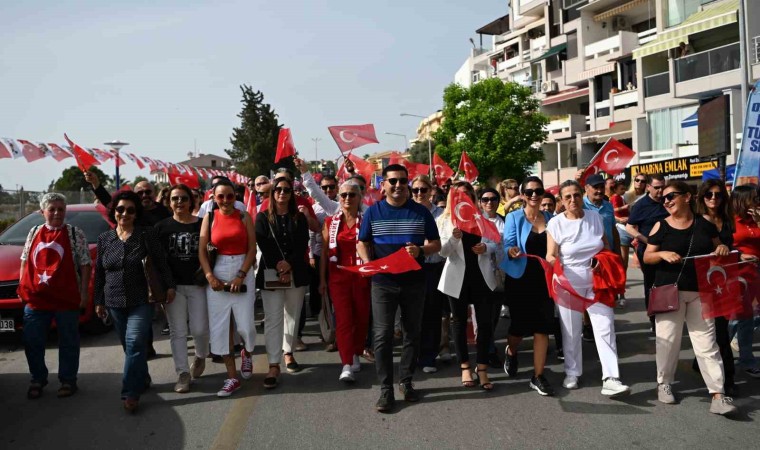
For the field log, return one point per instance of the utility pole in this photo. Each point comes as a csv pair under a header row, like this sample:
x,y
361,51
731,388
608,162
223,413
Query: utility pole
x,y
316,148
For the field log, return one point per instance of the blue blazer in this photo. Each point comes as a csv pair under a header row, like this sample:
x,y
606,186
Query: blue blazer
x,y
516,231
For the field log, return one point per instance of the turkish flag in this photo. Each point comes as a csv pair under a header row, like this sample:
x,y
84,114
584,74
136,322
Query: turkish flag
x,y
363,167
372,196
135,159
467,168
188,180
612,158
30,151
413,169
468,218
749,280
720,289
563,292
349,137
58,153
398,262
101,155
120,161
285,146
441,170
84,159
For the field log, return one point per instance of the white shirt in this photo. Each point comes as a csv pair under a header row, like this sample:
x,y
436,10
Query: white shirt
x,y
206,206
579,240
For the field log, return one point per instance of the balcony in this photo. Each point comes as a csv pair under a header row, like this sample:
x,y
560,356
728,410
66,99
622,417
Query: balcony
x,y
530,7
647,36
508,64
538,46
657,84
602,51
710,62
625,99
565,127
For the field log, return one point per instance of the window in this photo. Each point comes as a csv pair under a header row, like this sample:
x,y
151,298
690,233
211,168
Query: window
x,y
679,10
213,163
572,45
665,130
602,85
628,72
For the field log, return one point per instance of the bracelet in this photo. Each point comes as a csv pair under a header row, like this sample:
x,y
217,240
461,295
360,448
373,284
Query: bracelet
x,y
209,275
241,274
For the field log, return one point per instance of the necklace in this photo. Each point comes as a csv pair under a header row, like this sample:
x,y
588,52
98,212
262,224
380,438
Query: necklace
x,y
123,234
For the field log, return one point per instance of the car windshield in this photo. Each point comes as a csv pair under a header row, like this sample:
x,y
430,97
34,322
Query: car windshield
x,y
91,222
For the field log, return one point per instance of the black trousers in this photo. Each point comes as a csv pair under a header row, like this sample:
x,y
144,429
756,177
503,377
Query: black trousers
x,y
474,292
430,333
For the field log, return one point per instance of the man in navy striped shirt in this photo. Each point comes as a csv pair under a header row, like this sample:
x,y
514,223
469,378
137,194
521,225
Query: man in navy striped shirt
x,y
391,224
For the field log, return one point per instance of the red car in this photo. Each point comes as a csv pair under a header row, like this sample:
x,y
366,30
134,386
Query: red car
x,y
12,240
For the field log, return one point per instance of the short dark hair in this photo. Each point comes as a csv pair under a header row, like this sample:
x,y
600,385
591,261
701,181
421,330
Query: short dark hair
x,y
128,196
551,196
395,168
328,178
223,181
188,191
530,179
489,190
568,183
656,176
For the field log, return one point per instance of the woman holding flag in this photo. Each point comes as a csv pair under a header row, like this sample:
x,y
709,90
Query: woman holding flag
x,y
673,242
576,237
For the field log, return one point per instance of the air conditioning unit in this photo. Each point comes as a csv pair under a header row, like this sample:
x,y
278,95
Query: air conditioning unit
x,y
548,87
619,23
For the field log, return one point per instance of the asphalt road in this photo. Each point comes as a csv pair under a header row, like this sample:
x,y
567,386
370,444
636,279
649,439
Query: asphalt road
x,y
312,409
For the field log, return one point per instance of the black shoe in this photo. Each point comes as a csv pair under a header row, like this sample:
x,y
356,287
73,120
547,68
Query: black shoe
x,y
410,394
540,385
151,352
493,361
510,363
386,402
560,354
695,366
217,359
588,333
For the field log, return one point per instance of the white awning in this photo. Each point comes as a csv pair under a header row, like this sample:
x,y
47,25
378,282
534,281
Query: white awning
x,y
591,73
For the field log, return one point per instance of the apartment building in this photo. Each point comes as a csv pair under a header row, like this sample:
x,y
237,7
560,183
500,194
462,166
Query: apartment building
x,y
654,74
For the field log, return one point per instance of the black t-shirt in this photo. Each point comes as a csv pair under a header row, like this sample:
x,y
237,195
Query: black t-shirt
x,y
670,239
644,214
180,243
151,217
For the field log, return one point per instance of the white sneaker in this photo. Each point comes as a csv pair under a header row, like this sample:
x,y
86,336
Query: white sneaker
x,y
613,387
430,369
735,345
571,382
504,312
346,374
357,365
665,394
445,355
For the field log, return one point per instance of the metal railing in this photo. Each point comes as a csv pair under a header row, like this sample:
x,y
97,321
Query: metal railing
x,y
657,84
710,62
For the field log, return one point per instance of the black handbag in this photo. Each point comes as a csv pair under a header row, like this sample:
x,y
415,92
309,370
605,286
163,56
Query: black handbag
x,y
200,275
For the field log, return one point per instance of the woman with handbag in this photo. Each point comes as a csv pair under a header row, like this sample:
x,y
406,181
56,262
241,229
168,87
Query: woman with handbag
x,y
350,292
671,243
230,289
122,288
530,306
282,232
179,236
468,279
575,237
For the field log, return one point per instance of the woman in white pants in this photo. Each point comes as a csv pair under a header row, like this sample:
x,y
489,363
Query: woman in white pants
x,y
283,236
179,236
575,237
230,289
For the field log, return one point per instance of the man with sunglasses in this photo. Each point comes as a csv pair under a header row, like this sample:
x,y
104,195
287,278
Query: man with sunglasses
x,y
394,223
261,186
153,212
644,215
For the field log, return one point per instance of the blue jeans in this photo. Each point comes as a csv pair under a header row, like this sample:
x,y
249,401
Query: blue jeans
x,y
133,325
36,327
744,329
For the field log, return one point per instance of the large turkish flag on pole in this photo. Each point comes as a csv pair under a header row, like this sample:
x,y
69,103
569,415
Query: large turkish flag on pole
x,y
612,158
349,137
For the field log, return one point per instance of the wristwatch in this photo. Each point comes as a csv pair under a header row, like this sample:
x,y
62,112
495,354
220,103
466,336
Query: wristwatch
x,y
241,274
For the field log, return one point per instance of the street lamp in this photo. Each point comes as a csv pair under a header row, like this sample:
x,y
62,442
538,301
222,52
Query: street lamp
x,y
316,142
406,140
116,145
430,146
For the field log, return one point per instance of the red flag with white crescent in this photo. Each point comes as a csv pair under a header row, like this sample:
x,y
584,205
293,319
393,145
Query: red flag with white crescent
x,y
58,153
349,137
101,155
84,159
441,170
468,218
612,158
285,145
399,262
467,168
188,180
363,167
119,161
152,165
720,287
30,151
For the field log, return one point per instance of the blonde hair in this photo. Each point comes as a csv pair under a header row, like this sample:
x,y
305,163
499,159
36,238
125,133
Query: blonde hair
x,y
423,179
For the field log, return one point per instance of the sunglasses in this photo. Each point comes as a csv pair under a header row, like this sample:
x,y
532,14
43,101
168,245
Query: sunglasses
x,y
401,181
129,210
144,193
639,180
671,196
538,191
347,195
489,199
328,187
180,198
710,195
419,190
283,190
223,197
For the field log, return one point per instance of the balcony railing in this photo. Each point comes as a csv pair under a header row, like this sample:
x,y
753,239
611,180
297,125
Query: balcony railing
x,y
657,84
508,64
710,62
756,50
603,47
647,36
625,98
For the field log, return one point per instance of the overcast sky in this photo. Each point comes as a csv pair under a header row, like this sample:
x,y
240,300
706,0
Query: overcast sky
x,y
161,74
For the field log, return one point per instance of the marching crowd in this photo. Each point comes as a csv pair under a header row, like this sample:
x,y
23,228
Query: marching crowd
x,y
205,261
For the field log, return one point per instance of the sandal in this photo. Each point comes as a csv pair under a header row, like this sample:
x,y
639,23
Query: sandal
x,y
131,404
67,390
292,366
487,386
271,382
35,390
467,383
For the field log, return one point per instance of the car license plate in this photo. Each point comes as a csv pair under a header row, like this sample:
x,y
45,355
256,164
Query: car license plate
x,y
7,325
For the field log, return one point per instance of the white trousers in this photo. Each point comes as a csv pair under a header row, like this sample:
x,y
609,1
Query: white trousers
x,y
223,304
603,321
189,306
282,309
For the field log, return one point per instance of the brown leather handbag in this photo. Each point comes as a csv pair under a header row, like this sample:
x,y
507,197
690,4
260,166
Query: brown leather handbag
x,y
664,299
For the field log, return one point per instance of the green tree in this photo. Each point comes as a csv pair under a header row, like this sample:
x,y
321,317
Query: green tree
x,y
72,179
497,123
419,151
254,142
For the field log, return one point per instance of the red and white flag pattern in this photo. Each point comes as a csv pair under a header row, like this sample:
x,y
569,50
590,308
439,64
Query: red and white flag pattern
x,y
58,153
721,287
467,168
441,170
468,218
84,159
398,262
349,137
285,145
612,158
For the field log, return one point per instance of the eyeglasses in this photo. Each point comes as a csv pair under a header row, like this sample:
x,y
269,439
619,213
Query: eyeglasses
x,y
671,196
144,193
180,198
283,190
402,181
223,197
639,180
419,190
710,195
328,187
129,210
347,195
657,188
538,191
489,199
